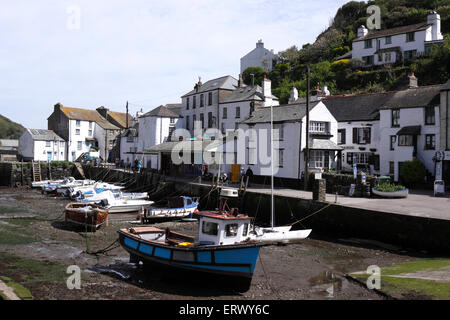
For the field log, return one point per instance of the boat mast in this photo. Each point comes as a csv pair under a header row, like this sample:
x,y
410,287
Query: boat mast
x,y
271,165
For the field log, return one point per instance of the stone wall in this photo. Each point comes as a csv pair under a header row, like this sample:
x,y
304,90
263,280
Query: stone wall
x,y
14,174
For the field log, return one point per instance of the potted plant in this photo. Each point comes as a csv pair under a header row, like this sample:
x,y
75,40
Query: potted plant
x,y
388,190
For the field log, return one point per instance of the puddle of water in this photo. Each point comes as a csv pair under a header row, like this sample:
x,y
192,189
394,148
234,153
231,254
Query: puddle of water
x,y
327,284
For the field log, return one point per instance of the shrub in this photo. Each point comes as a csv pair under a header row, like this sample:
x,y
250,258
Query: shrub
x,y
412,172
387,187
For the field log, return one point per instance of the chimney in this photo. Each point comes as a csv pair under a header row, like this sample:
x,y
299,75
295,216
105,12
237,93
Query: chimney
x,y
103,111
57,107
412,81
267,87
362,31
294,95
198,84
241,81
260,44
435,20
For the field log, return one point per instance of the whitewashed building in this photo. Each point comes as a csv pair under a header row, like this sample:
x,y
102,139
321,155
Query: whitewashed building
x,y
41,145
84,129
397,44
410,128
445,134
290,140
259,57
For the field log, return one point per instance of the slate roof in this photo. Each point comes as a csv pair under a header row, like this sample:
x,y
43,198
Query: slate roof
x,y
87,115
226,83
167,147
446,86
394,31
9,143
44,135
245,94
324,144
415,97
162,111
361,107
409,130
291,112
121,118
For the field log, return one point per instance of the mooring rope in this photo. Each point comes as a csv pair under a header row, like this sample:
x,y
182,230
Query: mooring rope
x,y
267,277
318,211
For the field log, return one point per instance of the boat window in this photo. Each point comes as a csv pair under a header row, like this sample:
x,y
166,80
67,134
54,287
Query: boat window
x,y
188,202
231,230
210,228
245,231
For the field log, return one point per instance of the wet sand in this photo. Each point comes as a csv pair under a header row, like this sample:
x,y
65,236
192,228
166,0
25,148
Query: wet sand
x,y
37,251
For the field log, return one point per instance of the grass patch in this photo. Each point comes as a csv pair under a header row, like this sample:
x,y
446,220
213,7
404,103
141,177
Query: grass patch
x,y
22,222
412,288
20,291
5,210
11,237
30,271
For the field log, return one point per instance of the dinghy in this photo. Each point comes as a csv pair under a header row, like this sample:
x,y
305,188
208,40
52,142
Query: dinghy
x,y
114,204
223,247
89,215
91,190
178,207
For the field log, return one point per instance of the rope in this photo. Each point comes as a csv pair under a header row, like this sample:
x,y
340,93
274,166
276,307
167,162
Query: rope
x,y
102,251
318,211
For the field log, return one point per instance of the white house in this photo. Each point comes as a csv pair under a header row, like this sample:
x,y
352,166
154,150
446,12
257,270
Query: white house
x,y
410,128
290,140
358,133
397,44
259,57
41,145
445,134
83,129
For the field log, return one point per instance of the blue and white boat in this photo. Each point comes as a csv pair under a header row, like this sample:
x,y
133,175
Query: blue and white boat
x,y
177,207
223,246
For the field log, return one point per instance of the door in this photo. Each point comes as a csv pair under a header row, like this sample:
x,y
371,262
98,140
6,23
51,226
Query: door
x,y
49,156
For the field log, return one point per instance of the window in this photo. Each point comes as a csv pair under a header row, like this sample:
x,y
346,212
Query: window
x,y
187,122
350,158
361,157
395,118
361,135
210,120
317,127
405,140
410,54
387,56
410,36
187,103
79,145
224,113
430,142
388,40
210,228
209,98
429,116
392,142
245,230
223,128
78,123
172,121
368,60
368,44
194,119
316,159
391,167
130,138
251,156
202,103
238,112
280,158
48,143
90,133
341,136
77,132
194,102
231,230
90,124
202,120
278,132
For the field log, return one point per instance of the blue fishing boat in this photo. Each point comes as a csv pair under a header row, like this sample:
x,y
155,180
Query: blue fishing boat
x,y
223,246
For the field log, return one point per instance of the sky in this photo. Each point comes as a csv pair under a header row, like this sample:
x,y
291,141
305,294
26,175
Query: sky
x,y
88,54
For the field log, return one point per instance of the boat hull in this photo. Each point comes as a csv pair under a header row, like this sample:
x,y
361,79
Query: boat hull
x,y
237,261
92,219
279,234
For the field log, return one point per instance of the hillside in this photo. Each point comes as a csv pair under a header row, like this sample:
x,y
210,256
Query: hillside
x,y
348,75
10,129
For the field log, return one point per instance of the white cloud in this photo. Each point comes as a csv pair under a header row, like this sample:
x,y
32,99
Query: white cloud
x,y
143,51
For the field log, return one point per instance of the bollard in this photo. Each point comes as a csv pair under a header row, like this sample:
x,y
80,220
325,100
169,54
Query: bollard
x,y
319,191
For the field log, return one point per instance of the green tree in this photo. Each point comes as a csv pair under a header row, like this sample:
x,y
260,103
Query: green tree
x,y
258,73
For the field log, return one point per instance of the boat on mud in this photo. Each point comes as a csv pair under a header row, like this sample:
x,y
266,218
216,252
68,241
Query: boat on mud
x,y
223,247
91,190
115,204
88,215
61,188
177,207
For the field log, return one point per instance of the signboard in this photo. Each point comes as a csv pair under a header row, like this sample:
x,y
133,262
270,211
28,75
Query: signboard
x,y
235,172
355,171
439,170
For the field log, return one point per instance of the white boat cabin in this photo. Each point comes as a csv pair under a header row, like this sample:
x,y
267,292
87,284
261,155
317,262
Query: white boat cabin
x,y
216,228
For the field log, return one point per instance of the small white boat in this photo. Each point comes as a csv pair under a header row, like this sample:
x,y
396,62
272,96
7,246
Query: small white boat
x,y
278,234
114,204
391,194
178,207
41,184
91,190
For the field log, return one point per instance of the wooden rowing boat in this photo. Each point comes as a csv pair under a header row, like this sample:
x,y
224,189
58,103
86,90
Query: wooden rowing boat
x,y
86,214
